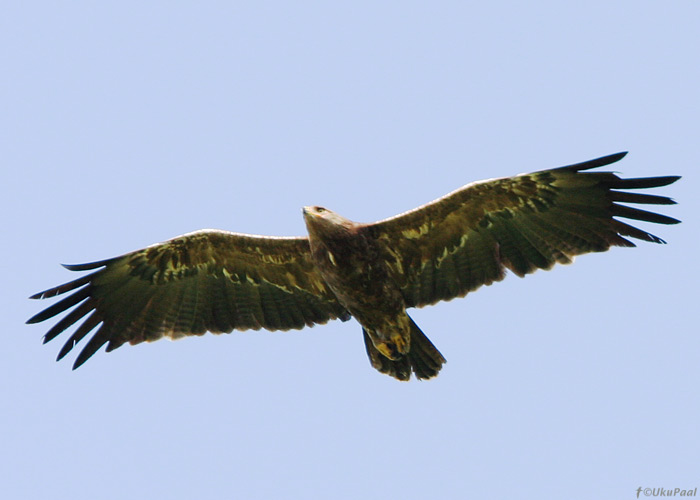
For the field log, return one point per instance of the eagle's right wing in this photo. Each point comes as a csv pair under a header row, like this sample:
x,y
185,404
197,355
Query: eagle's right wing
x,y
208,280
469,237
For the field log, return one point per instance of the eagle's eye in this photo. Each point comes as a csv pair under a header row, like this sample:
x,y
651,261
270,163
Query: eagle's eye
x,y
320,209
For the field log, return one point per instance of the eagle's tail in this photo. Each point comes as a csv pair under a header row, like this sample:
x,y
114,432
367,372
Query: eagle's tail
x,y
423,359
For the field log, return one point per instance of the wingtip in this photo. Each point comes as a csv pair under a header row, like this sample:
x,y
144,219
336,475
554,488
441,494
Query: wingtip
x,y
616,156
76,267
613,158
87,352
597,162
88,266
34,319
79,362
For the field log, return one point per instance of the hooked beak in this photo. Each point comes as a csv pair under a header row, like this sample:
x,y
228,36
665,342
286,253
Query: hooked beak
x,y
310,211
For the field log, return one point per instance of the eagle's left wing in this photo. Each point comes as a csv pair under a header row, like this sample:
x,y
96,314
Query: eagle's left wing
x,y
468,238
208,280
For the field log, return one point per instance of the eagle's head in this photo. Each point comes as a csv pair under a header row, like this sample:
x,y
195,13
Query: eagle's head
x,y
321,221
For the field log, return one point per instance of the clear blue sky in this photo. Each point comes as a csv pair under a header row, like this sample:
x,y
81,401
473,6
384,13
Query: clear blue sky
x,y
127,123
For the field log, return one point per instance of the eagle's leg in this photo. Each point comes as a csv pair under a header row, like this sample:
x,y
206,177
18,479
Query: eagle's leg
x,y
423,358
394,348
399,368
390,332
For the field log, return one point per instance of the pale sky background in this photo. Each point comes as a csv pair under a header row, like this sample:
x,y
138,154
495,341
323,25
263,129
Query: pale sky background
x,y
126,123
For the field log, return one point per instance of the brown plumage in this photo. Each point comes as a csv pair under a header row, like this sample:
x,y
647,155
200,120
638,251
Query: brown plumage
x,y
219,281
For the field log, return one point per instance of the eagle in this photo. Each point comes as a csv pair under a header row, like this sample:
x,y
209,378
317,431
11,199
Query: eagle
x,y
219,281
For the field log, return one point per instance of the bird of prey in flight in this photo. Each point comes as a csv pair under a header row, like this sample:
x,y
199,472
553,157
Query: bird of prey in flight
x,y
219,281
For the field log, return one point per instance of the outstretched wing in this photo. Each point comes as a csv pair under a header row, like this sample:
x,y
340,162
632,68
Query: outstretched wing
x,y
208,280
468,238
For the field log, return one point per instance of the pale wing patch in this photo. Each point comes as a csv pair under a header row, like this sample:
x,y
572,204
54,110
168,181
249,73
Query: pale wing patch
x,y
413,233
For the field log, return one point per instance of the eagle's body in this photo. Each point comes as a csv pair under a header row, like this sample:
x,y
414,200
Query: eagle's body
x,y
219,281
354,265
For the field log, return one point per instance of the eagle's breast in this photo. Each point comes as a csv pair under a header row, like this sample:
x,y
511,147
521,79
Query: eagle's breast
x,y
351,263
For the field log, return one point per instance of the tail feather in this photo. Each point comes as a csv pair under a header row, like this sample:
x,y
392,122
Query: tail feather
x,y
424,360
